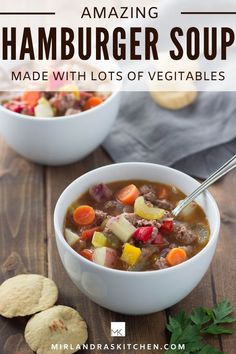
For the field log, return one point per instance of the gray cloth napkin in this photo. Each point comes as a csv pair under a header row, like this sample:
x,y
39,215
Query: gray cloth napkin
x,y
196,139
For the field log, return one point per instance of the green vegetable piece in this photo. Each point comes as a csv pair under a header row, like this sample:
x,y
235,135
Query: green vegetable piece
x,y
113,241
121,227
147,212
215,329
99,239
221,312
189,330
199,316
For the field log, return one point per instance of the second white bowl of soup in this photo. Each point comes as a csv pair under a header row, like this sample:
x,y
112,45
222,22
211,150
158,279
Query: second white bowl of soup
x,y
59,140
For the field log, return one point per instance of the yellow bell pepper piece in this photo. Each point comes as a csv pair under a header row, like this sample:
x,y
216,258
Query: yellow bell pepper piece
x,y
99,239
146,212
71,88
130,254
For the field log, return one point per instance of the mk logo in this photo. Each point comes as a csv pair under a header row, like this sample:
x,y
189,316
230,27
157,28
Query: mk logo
x,y
117,329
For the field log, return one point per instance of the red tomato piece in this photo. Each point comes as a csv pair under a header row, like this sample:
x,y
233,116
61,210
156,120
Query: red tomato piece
x,y
143,233
167,226
158,239
87,234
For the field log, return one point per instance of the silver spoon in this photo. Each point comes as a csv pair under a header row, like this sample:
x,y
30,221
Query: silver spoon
x,y
227,167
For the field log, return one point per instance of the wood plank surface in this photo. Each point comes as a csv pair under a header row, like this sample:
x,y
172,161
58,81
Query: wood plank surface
x,y
28,194
22,233
224,262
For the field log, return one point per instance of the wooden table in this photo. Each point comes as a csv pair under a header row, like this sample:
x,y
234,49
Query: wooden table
x,y
28,194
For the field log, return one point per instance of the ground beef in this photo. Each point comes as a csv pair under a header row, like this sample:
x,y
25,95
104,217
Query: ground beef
x,y
173,245
79,245
161,263
183,234
113,207
132,218
188,250
143,222
148,251
164,252
28,111
48,94
128,209
138,222
164,204
145,261
85,95
63,103
100,217
146,189
149,195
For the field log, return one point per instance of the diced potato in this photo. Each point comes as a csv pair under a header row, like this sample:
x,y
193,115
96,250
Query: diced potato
x,y
188,211
130,254
105,256
99,239
121,227
146,212
43,109
71,237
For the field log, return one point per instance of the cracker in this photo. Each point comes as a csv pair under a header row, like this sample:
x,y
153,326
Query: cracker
x,y
26,294
59,325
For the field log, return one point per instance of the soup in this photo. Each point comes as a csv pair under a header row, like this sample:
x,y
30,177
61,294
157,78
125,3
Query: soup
x,y
68,101
128,225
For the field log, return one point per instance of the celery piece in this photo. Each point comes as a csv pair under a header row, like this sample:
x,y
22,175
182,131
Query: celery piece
x,y
146,212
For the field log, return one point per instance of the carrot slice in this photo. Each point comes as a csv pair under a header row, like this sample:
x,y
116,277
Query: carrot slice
x,y
31,97
128,194
176,256
92,102
84,215
163,193
86,253
87,234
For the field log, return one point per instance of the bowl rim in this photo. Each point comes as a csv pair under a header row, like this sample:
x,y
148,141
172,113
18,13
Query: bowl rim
x,y
62,118
58,234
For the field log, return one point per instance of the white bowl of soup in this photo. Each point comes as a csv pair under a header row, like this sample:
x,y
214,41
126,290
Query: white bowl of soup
x,y
116,275
59,140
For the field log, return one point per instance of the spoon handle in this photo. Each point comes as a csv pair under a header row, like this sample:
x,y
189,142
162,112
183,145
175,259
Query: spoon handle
x,y
227,167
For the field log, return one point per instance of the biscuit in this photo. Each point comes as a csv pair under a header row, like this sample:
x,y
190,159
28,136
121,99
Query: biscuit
x,y
174,99
59,329
26,294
